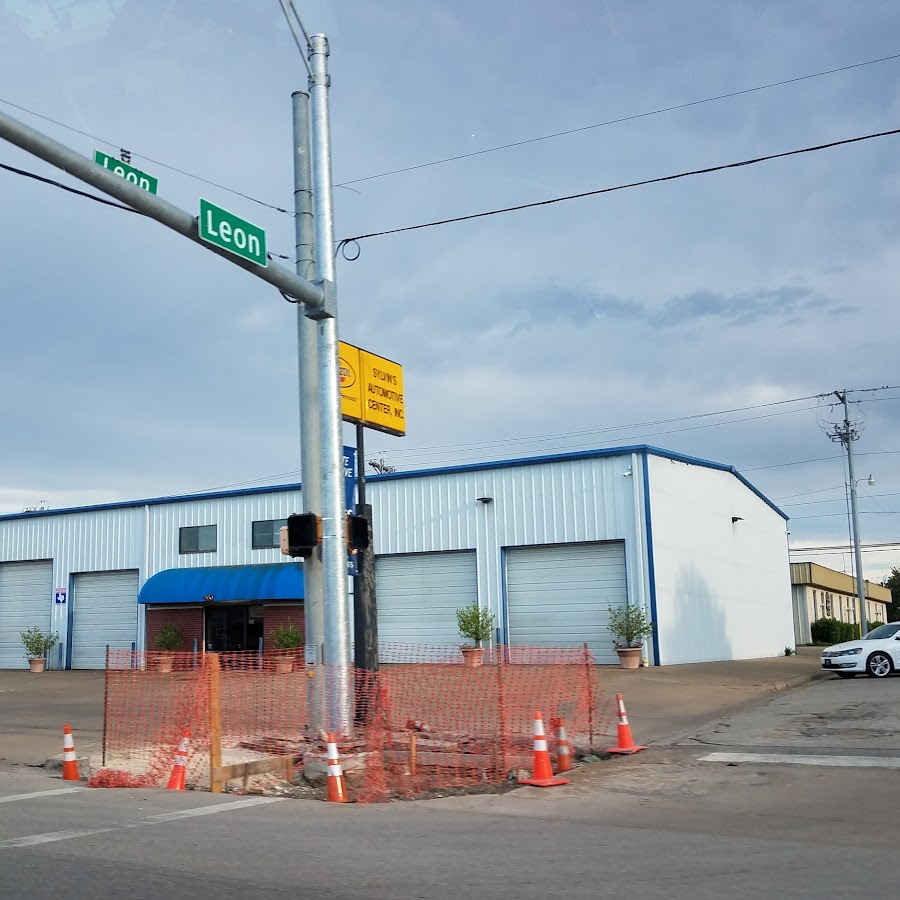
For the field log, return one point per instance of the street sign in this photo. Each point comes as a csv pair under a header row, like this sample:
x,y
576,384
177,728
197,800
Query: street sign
x,y
371,390
349,476
238,236
129,173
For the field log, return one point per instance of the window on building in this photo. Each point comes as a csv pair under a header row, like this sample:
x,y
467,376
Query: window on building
x,y
267,533
815,605
828,606
197,539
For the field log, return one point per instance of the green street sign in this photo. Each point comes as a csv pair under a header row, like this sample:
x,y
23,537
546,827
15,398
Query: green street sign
x,y
129,173
237,236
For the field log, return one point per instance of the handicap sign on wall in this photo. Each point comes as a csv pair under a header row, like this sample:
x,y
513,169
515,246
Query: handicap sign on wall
x,y
60,595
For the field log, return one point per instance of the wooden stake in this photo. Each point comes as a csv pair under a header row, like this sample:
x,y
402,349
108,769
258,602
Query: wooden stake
x,y
215,723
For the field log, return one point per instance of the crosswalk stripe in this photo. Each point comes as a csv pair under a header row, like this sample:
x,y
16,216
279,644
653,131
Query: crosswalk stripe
x,y
51,837
797,759
36,795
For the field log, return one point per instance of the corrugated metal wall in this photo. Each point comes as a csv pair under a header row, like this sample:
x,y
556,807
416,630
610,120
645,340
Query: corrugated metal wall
x,y
542,502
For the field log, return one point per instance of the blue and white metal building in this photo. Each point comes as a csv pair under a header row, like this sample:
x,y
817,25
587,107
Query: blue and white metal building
x,y
547,543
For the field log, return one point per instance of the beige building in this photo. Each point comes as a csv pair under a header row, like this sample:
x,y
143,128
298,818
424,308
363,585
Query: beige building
x,y
821,593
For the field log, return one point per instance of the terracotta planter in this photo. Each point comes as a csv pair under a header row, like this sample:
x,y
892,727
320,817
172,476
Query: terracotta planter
x,y
164,663
473,657
37,663
284,665
629,657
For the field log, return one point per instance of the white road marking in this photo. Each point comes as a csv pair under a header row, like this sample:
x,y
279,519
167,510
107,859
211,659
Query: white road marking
x,y
208,810
35,795
50,837
863,762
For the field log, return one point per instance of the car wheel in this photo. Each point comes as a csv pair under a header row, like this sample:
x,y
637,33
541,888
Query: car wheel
x,y
879,665
846,674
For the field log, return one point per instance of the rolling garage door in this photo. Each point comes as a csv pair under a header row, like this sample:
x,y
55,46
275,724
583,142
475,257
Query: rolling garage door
x,y
418,595
104,611
25,596
559,596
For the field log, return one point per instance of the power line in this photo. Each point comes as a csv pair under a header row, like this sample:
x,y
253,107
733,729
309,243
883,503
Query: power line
x,y
65,187
448,448
622,187
71,190
150,159
630,118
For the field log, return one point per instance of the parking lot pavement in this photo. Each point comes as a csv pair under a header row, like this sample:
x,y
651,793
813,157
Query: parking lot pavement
x,y
34,709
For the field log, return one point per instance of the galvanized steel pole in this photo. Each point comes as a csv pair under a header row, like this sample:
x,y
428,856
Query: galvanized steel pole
x,y
310,449
334,539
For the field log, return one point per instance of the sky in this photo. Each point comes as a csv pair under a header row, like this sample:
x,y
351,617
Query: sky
x,y
135,364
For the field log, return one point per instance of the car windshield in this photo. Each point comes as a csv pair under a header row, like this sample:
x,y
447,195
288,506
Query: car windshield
x,y
882,632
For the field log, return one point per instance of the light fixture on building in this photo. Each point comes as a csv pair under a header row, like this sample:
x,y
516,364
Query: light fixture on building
x,y
485,500
736,519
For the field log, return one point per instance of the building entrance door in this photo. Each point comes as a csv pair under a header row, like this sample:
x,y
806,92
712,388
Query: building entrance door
x,y
226,629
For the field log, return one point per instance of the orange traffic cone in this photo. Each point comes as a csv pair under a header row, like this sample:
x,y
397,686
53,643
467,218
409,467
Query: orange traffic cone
x,y
337,793
626,742
179,769
563,747
70,760
542,770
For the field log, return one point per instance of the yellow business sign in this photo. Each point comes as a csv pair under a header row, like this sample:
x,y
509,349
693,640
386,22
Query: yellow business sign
x,y
371,390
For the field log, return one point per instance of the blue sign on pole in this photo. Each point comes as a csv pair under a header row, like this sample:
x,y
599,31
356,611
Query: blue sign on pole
x,y
349,476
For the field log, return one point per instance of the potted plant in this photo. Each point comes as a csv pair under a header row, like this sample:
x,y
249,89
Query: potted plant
x,y
477,624
37,645
287,637
168,640
629,627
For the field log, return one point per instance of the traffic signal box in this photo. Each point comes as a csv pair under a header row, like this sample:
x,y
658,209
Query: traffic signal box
x,y
357,533
303,533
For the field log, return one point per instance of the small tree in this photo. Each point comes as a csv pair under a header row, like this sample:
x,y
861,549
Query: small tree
x,y
476,623
169,637
38,643
893,582
286,636
628,625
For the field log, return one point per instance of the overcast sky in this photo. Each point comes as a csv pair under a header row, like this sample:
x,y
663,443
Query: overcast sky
x,y
135,364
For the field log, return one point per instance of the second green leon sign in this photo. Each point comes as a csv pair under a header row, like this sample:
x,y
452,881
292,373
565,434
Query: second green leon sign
x,y
224,229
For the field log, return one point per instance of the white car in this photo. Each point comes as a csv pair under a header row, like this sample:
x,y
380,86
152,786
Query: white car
x,y
877,654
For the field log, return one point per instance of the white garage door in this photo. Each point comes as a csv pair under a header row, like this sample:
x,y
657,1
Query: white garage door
x,y
418,595
25,597
559,596
104,611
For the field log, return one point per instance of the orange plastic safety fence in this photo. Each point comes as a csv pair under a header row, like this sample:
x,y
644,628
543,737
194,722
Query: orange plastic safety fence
x,y
426,722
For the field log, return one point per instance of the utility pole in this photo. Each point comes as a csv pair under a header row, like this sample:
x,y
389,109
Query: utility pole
x,y
847,434
310,450
337,659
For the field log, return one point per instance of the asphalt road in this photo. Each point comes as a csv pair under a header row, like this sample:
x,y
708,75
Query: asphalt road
x,y
666,823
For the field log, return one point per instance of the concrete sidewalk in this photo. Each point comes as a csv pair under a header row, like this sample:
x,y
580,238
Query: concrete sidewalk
x,y
662,702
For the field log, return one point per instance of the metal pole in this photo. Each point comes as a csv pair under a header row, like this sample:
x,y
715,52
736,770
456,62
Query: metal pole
x,y
153,207
849,436
310,448
334,540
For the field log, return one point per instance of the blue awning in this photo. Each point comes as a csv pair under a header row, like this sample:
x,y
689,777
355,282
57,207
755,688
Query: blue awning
x,y
225,584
